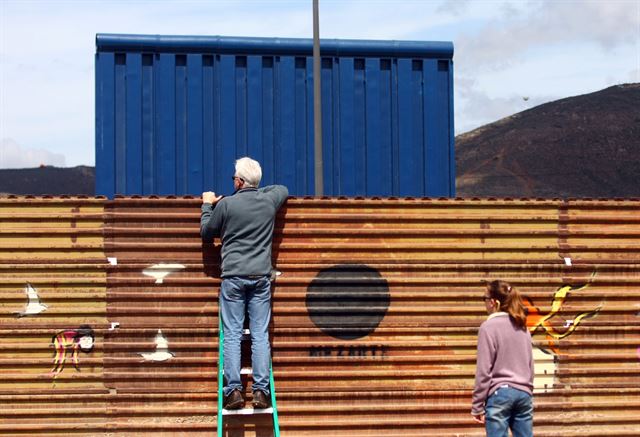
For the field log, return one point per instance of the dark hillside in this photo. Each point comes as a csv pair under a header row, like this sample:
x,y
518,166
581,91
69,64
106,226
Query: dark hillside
x,y
48,180
583,146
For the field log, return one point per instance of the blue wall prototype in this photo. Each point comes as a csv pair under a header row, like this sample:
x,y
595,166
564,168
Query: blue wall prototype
x,y
174,112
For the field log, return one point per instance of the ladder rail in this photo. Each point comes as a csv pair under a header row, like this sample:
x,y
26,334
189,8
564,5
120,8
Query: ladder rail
x,y
220,424
276,423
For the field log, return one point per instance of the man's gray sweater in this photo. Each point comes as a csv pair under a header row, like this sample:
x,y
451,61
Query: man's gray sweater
x,y
244,222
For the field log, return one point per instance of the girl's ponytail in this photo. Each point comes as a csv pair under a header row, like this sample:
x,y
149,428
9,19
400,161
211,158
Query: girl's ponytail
x,y
510,301
515,308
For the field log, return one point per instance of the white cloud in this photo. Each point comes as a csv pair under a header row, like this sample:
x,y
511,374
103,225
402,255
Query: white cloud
x,y
511,37
13,155
454,7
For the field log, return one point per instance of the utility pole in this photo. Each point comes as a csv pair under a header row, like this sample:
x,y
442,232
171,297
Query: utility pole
x,y
317,105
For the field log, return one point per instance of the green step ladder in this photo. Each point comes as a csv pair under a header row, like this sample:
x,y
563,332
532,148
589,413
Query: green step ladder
x,y
273,410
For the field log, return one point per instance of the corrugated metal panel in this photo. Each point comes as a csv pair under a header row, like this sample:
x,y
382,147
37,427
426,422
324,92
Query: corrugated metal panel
x,y
375,319
52,284
173,113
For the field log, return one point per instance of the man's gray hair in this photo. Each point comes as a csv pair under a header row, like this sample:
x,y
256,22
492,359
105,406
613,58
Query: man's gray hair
x,y
249,171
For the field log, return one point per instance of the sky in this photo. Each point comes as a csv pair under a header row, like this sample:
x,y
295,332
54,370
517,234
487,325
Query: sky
x,y
508,55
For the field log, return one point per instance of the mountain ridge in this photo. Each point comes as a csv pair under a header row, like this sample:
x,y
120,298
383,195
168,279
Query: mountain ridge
x,y
582,146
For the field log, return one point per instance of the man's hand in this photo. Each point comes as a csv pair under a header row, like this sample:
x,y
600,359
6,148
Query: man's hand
x,y
210,197
479,418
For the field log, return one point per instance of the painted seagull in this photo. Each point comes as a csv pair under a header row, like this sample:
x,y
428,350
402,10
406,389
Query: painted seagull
x,y
33,305
162,349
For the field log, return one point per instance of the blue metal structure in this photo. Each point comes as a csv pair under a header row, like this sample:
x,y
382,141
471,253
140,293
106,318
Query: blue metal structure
x,y
174,112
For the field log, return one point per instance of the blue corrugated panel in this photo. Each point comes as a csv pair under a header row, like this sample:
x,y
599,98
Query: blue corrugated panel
x,y
173,113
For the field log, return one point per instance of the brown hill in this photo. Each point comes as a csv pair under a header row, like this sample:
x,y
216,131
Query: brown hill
x,y
583,146
48,180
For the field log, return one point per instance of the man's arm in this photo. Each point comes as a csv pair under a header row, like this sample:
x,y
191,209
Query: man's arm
x,y
278,193
210,216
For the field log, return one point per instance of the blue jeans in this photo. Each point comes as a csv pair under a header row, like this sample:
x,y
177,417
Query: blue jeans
x,y
236,294
507,408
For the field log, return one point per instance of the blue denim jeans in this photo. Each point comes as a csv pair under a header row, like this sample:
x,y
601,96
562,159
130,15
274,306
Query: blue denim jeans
x,y
254,294
507,408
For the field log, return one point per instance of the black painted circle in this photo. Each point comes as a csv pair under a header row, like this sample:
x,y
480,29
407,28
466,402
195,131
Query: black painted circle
x,y
348,301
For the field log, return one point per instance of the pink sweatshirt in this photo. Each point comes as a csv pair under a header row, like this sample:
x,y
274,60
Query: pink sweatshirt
x,y
504,357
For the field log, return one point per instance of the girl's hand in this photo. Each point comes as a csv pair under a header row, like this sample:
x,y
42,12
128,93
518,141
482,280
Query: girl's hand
x,y
479,418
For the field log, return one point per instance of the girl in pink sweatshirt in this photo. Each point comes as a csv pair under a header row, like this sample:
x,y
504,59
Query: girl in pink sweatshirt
x,y
502,396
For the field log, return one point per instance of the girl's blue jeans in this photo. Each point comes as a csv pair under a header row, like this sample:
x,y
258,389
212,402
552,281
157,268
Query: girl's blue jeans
x,y
508,408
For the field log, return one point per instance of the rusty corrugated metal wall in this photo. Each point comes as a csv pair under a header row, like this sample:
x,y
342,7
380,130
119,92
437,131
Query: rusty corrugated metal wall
x,y
52,278
376,312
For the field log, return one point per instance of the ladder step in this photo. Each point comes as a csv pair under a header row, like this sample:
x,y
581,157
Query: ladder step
x,y
244,371
247,411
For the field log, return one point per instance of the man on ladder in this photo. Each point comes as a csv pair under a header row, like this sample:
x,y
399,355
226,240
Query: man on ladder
x,y
244,222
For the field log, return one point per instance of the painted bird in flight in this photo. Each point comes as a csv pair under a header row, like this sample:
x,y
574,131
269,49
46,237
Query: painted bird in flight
x,y
161,271
33,305
537,319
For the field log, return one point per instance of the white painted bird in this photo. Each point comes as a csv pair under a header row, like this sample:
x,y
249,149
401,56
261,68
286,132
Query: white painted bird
x,y
161,271
162,349
33,305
